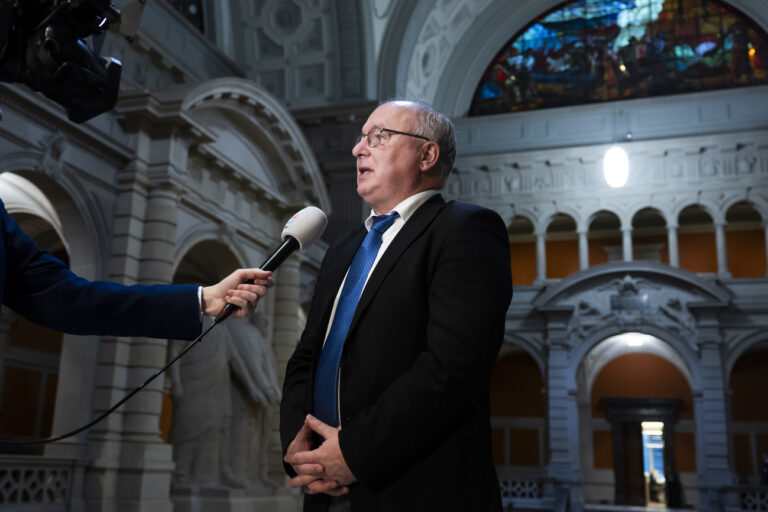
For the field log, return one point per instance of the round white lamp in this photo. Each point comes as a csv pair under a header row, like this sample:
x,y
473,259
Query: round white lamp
x,y
616,167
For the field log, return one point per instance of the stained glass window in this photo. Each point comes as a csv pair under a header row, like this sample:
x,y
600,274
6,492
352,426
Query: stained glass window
x,y
586,51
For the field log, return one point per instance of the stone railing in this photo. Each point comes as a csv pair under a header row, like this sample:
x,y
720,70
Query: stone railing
x,y
745,498
753,498
523,489
39,483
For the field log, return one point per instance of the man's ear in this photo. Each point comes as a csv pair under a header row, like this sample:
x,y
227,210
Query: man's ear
x,y
430,154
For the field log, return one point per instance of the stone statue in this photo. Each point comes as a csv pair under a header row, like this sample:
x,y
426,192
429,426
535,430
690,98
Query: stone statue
x,y
224,391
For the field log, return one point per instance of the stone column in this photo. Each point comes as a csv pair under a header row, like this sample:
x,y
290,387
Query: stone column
x,y
563,470
712,429
765,229
285,335
286,321
626,243
583,250
6,319
104,439
674,257
541,257
132,467
147,462
722,254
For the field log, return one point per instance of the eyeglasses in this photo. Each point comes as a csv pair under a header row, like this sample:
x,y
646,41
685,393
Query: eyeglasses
x,y
376,136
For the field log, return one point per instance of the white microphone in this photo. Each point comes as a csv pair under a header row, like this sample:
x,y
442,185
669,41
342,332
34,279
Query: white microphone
x,y
301,230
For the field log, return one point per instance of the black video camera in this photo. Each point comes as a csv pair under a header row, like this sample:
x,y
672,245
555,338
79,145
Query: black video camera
x,y
41,45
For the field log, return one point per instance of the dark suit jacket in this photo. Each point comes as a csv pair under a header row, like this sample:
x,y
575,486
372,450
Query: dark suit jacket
x,y
416,364
40,287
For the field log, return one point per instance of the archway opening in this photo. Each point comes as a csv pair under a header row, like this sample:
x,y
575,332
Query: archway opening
x,y
745,241
625,380
518,421
220,397
562,247
749,415
604,238
30,356
696,240
649,236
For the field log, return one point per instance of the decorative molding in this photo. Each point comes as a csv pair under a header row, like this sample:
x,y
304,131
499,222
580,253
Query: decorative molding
x,y
662,176
631,304
305,52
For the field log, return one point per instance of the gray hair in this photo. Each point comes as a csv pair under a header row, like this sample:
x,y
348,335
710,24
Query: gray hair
x,y
437,127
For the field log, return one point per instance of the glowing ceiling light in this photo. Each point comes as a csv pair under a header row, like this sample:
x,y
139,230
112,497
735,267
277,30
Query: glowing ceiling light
x,y
616,167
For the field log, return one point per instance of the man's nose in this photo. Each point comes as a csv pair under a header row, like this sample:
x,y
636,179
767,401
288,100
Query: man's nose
x,y
360,148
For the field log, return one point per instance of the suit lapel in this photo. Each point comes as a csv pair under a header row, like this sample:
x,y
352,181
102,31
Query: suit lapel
x,y
415,226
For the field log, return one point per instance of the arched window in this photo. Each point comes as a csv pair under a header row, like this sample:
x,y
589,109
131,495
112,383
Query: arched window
x,y
586,51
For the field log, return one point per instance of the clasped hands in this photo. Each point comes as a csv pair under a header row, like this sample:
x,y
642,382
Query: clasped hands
x,y
319,470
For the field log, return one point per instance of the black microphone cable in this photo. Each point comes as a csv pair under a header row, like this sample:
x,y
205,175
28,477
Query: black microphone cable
x,y
4,443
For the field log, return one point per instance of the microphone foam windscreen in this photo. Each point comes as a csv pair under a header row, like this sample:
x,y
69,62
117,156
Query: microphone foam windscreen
x,y
306,226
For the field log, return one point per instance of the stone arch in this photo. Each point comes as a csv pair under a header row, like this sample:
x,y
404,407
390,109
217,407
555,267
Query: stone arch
x,y
79,220
612,209
758,205
290,162
671,348
531,348
82,224
202,232
21,196
544,222
637,209
713,211
526,213
741,346
680,278
668,292
400,38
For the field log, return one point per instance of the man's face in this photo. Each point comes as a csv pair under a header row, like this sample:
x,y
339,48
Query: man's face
x,y
389,173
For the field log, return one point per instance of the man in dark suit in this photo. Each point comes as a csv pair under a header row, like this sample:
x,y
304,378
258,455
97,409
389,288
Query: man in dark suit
x,y
40,287
385,401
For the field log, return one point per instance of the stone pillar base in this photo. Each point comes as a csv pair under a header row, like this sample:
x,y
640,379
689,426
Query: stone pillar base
x,y
212,499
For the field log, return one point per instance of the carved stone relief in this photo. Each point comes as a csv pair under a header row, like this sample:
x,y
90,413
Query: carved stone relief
x,y
629,303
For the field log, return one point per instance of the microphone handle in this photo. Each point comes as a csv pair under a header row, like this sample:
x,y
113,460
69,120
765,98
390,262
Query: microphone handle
x,y
274,260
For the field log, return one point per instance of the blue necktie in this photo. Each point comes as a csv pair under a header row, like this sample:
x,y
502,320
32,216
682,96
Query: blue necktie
x,y
327,375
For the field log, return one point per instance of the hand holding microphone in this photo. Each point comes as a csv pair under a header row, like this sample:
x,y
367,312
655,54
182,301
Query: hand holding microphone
x,y
301,230
242,288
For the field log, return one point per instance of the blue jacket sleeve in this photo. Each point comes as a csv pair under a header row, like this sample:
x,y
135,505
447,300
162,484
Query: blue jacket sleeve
x,y
40,287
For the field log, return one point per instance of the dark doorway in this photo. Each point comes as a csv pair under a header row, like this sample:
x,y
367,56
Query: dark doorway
x,y
626,416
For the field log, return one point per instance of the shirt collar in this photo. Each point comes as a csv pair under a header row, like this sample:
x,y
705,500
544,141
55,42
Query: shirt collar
x,y
405,208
